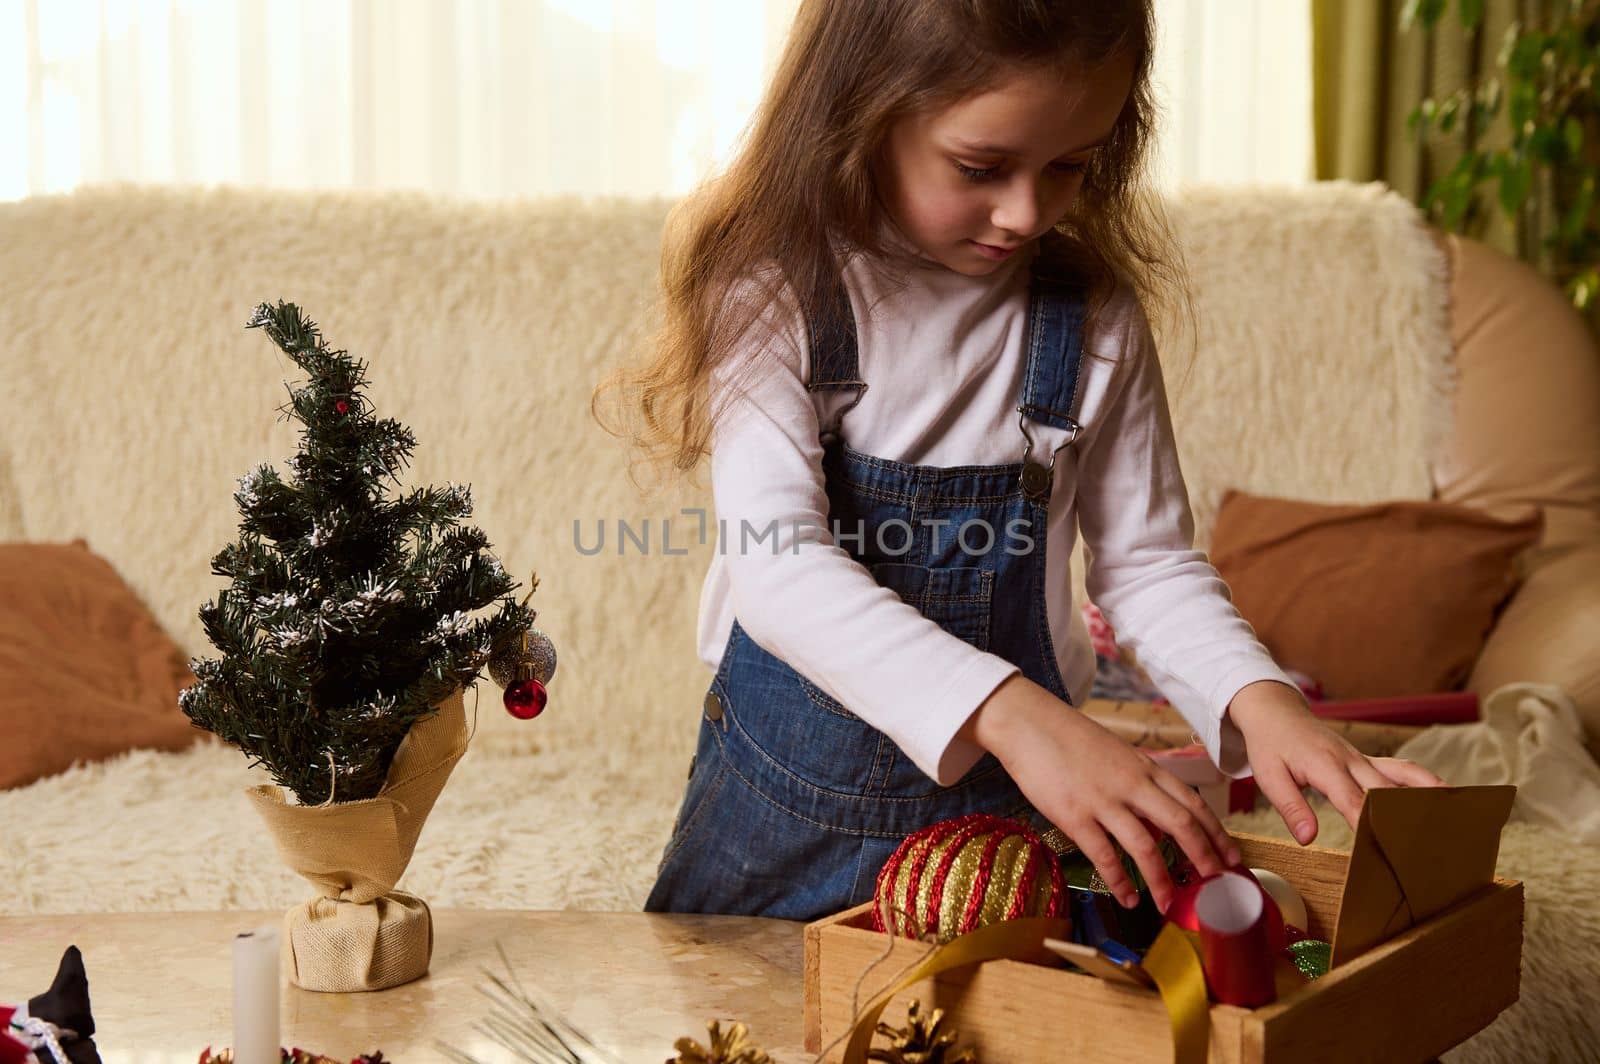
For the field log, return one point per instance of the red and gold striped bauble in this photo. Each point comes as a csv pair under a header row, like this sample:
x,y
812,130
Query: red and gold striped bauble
x,y
958,875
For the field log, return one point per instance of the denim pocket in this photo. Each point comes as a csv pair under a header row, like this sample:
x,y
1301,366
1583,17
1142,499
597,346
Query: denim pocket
x,y
824,700
955,597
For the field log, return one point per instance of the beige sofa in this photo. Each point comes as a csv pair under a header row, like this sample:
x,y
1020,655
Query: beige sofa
x,y
1332,325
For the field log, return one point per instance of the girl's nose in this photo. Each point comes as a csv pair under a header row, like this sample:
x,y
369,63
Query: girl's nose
x,y
1018,209
1021,207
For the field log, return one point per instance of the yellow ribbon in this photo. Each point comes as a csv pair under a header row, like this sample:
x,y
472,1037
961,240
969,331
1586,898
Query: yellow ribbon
x,y
1173,961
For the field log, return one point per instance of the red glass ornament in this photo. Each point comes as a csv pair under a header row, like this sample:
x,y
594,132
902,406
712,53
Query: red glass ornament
x,y
341,406
1180,910
525,699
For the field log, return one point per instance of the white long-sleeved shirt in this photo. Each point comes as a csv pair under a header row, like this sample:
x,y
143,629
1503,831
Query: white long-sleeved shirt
x,y
944,357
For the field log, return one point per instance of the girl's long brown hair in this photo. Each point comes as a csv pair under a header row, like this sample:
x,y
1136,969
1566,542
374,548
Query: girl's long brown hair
x,y
803,181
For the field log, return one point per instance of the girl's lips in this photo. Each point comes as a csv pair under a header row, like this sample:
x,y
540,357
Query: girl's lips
x,y
993,252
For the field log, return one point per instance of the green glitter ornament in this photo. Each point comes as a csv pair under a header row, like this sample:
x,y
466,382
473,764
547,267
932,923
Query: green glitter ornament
x,y
1311,956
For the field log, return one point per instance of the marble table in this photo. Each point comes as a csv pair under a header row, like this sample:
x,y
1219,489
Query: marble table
x,y
161,984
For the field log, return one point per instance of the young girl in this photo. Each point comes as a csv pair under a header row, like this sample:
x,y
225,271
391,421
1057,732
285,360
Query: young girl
x,y
907,325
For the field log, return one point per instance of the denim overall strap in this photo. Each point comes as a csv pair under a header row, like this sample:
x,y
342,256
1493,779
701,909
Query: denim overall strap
x,y
1055,364
834,356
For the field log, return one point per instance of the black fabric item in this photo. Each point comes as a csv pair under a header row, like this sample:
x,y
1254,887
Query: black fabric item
x,y
66,1004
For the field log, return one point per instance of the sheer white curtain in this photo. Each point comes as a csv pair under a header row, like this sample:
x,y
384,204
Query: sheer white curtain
x,y
497,98
1234,77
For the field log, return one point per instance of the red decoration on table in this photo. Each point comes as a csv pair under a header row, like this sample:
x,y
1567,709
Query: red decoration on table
x,y
292,1056
1236,947
526,699
11,1050
1447,707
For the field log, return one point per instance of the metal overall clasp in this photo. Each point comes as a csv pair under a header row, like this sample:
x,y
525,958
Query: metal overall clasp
x,y
1037,477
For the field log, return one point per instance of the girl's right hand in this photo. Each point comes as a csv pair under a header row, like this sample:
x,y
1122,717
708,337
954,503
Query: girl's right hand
x,y
1094,787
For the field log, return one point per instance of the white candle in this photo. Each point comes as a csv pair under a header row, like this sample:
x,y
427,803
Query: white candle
x,y
255,996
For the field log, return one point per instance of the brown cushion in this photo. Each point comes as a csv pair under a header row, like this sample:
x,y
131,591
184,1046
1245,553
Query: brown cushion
x,y
85,670
1390,599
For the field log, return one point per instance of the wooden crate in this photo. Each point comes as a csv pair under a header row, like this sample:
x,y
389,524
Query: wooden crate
x,y
1408,999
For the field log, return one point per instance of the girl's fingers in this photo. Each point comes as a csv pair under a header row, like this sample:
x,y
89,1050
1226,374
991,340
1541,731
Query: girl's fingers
x,y
1284,794
1173,816
1334,780
1407,773
1222,843
1366,775
1095,846
1138,843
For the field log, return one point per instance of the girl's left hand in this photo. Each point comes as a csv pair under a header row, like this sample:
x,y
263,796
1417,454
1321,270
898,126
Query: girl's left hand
x,y
1290,749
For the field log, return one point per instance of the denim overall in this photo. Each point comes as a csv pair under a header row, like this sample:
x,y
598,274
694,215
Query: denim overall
x,y
793,802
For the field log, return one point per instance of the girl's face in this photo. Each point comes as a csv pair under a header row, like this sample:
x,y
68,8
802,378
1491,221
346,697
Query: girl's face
x,y
972,183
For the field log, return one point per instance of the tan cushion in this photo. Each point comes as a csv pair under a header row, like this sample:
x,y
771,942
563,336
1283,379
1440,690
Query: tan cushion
x,y
1370,601
85,670
1550,633
1527,397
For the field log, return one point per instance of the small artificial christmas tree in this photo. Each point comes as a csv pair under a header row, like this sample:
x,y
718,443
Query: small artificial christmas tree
x,y
348,616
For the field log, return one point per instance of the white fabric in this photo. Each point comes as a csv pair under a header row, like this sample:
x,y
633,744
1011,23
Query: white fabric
x,y
943,357
1233,78
1528,734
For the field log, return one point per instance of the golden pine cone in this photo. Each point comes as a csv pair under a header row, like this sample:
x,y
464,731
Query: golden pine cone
x,y
920,1041
727,1047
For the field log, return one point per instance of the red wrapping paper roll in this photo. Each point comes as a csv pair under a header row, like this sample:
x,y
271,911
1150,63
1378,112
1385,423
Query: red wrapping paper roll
x,y
1235,940
1181,909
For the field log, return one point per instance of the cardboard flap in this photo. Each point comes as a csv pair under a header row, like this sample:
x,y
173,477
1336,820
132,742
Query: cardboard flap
x,y
1417,851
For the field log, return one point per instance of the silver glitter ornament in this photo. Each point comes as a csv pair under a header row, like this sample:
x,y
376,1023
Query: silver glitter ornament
x,y
532,649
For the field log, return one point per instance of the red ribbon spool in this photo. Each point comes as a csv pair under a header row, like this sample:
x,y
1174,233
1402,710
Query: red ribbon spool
x,y
1236,942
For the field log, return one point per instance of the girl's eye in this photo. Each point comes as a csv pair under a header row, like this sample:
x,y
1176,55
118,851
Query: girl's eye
x,y
978,174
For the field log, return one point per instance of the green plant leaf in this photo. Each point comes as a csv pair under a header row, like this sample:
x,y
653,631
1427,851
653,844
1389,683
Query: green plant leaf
x,y
1470,13
1545,145
1508,44
1435,192
1428,12
1447,114
1572,136
1577,215
1524,61
1523,104
1582,288
1515,180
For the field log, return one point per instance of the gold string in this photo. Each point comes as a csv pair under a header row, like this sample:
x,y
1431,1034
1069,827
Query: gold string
x,y
921,935
1006,938
333,781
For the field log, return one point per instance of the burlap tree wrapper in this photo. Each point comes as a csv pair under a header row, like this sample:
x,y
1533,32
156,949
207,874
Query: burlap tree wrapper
x,y
360,933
